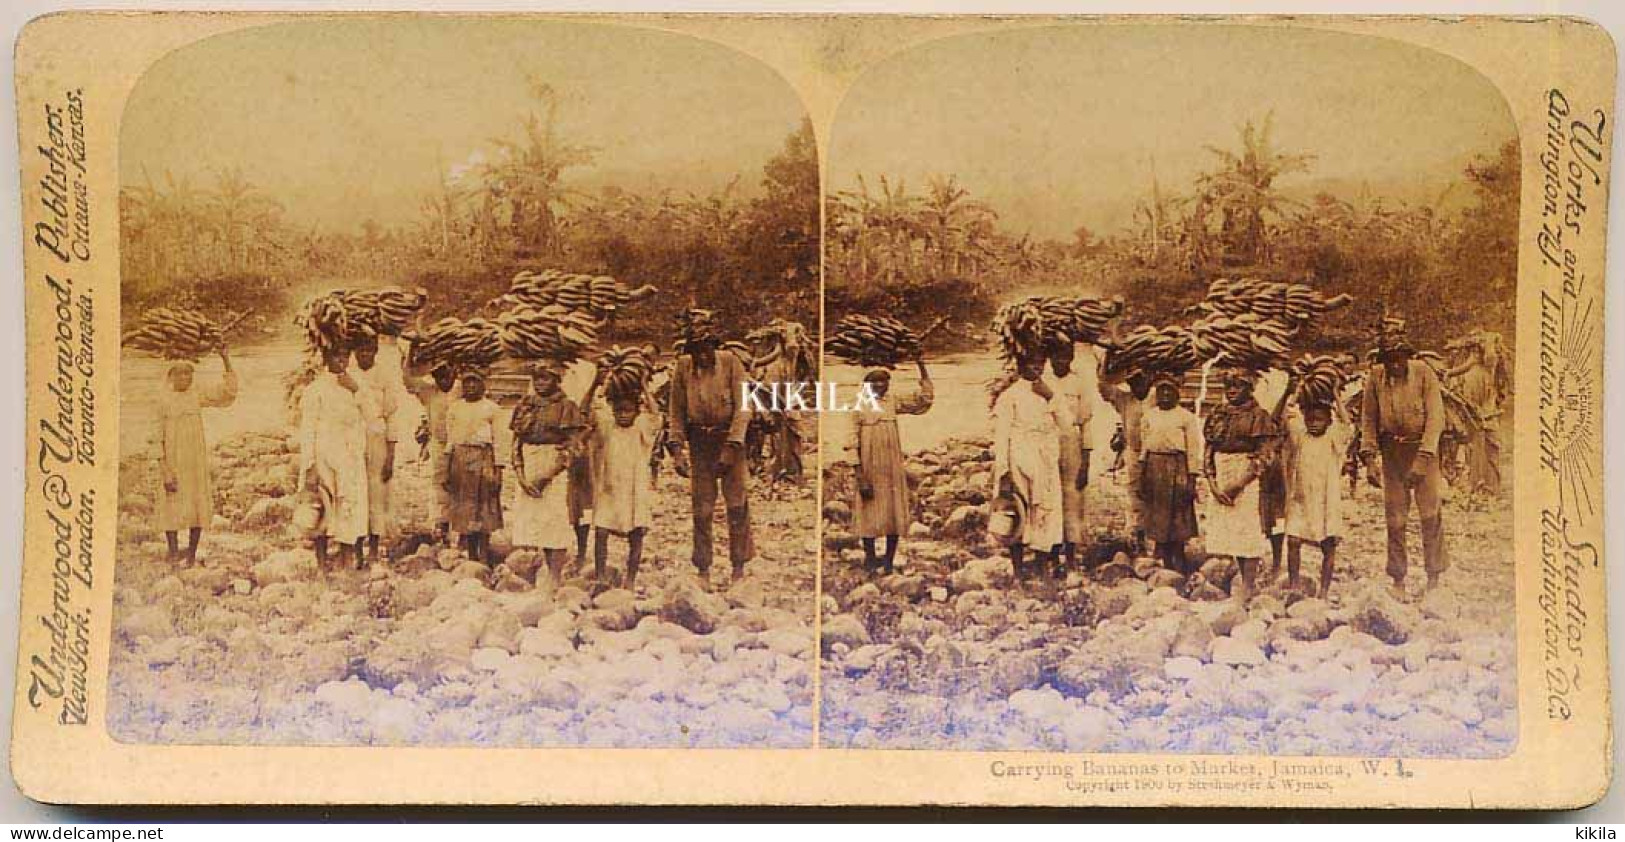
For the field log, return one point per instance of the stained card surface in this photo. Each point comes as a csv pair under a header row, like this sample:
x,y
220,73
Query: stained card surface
x,y
833,410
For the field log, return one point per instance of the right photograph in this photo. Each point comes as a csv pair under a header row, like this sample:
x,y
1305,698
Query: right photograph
x,y
1182,355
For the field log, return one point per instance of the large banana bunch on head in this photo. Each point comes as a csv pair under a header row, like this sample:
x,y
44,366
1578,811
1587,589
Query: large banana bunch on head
x,y
1247,340
626,371
1023,330
1320,378
1077,318
873,341
552,332
330,324
1291,304
598,296
475,343
174,334
1152,350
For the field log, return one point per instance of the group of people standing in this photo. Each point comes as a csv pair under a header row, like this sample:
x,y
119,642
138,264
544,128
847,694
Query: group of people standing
x,y
583,466
1270,475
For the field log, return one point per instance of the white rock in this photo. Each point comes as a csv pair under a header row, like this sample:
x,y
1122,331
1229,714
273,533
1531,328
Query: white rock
x,y
489,659
1182,668
1234,652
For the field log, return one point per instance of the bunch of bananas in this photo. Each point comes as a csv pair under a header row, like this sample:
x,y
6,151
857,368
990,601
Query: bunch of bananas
x,y
873,341
1289,303
1023,329
1320,379
330,324
551,332
741,349
599,296
1077,318
1248,340
174,334
626,371
475,343
385,310
1150,350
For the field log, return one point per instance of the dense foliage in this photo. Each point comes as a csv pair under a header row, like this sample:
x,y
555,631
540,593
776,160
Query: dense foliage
x,y
943,252
749,251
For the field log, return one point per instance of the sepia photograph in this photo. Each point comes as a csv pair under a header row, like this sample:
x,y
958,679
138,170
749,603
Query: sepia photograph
x,y
1195,349
430,413
813,410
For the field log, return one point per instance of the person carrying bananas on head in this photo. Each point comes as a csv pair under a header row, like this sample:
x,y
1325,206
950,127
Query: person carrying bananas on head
x,y
333,454
186,500
435,392
1317,437
883,508
621,433
707,418
379,396
1402,419
1075,390
547,428
1170,461
1130,399
1475,378
1026,462
473,475
1242,442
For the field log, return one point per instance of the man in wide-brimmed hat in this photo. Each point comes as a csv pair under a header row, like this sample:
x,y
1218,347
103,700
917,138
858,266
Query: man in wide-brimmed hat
x,y
1403,419
707,417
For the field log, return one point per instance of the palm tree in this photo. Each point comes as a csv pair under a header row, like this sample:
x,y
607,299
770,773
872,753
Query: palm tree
x,y
949,216
242,217
526,175
443,208
1243,189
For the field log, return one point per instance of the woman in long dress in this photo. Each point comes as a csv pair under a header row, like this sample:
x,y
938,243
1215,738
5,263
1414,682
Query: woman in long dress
x,y
186,500
473,475
1170,462
547,428
882,507
1026,462
1242,440
332,454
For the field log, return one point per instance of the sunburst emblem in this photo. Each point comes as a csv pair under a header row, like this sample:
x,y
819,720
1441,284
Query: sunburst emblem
x,y
1570,426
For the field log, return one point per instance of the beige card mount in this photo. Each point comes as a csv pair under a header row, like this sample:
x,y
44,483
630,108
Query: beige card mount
x,y
597,409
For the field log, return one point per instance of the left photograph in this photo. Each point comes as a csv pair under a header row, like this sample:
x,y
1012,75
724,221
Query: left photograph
x,y
437,337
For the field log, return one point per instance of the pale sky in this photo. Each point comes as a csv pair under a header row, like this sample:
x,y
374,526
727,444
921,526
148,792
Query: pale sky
x,y
1057,127
342,120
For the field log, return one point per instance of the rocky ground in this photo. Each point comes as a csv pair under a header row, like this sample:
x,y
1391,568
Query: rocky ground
x,y
256,645
949,653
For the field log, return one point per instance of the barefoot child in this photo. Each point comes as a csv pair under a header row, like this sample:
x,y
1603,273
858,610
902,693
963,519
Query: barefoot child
x,y
186,500
883,507
473,477
1171,460
620,441
1312,462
